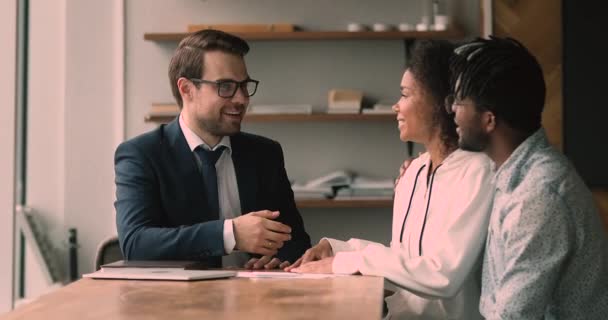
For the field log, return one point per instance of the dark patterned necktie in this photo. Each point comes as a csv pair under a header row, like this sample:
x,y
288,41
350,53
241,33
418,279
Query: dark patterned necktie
x,y
208,159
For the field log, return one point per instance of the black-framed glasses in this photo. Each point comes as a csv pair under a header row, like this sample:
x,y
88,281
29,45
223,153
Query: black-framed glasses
x,y
451,101
227,88
448,103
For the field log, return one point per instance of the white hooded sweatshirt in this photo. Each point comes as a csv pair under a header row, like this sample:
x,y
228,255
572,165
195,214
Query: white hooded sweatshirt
x,y
438,235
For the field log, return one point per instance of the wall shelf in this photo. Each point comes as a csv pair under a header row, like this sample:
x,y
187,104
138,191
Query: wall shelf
x,y
452,33
319,117
363,203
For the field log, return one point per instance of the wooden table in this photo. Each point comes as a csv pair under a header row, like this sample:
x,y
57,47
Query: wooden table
x,y
353,297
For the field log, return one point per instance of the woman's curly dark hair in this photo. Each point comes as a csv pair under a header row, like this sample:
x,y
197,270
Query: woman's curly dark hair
x,y
429,63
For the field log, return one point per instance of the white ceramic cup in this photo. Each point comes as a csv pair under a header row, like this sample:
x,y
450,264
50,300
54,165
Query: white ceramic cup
x,y
442,20
355,27
381,27
422,27
405,27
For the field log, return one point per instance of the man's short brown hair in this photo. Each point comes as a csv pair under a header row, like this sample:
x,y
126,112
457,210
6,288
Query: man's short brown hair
x,y
187,61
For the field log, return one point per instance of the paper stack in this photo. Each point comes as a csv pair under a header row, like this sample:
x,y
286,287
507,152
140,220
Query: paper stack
x,y
363,187
304,192
322,187
280,109
380,108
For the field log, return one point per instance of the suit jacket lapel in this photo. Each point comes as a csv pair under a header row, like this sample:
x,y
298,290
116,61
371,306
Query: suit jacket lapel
x,y
182,158
244,168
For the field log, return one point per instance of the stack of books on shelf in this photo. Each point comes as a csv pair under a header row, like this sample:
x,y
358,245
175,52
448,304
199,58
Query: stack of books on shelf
x,y
380,108
164,110
280,109
367,188
344,185
323,187
304,192
344,101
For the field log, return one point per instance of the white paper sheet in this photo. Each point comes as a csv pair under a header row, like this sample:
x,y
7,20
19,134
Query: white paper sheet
x,y
283,275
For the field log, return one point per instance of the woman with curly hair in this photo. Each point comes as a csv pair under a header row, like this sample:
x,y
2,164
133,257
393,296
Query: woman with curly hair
x,y
440,212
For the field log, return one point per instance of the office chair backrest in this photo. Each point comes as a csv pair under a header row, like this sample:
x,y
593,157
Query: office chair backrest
x,y
108,251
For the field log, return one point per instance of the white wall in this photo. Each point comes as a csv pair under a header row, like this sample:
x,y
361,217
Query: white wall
x,y
8,37
74,119
94,69
296,72
45,169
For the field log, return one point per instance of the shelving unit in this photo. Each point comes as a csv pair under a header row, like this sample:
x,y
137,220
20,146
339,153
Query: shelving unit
x,y
452,33
408,36
408,39
320,117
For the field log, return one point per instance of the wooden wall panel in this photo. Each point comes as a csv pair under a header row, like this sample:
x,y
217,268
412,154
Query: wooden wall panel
x,y
601,198
538,25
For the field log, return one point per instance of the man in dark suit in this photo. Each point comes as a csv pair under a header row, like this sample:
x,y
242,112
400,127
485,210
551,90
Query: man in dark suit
x,y
182,189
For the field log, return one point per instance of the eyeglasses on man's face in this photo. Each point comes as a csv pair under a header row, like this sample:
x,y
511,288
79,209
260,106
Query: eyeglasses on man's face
x,y
451,102
228,88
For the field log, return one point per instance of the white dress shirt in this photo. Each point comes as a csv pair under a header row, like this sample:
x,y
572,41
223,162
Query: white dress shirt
x,y
228,192
434,259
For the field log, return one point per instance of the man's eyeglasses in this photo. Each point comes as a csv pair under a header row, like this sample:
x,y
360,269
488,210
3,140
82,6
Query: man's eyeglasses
x,y
227,88
451,101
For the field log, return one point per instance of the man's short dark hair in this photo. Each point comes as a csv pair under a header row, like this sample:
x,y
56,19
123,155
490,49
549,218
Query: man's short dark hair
x,y
429,63
502,76
187,61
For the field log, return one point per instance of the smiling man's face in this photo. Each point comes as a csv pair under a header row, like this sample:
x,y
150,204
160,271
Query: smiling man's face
x,y
471,135
212,114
